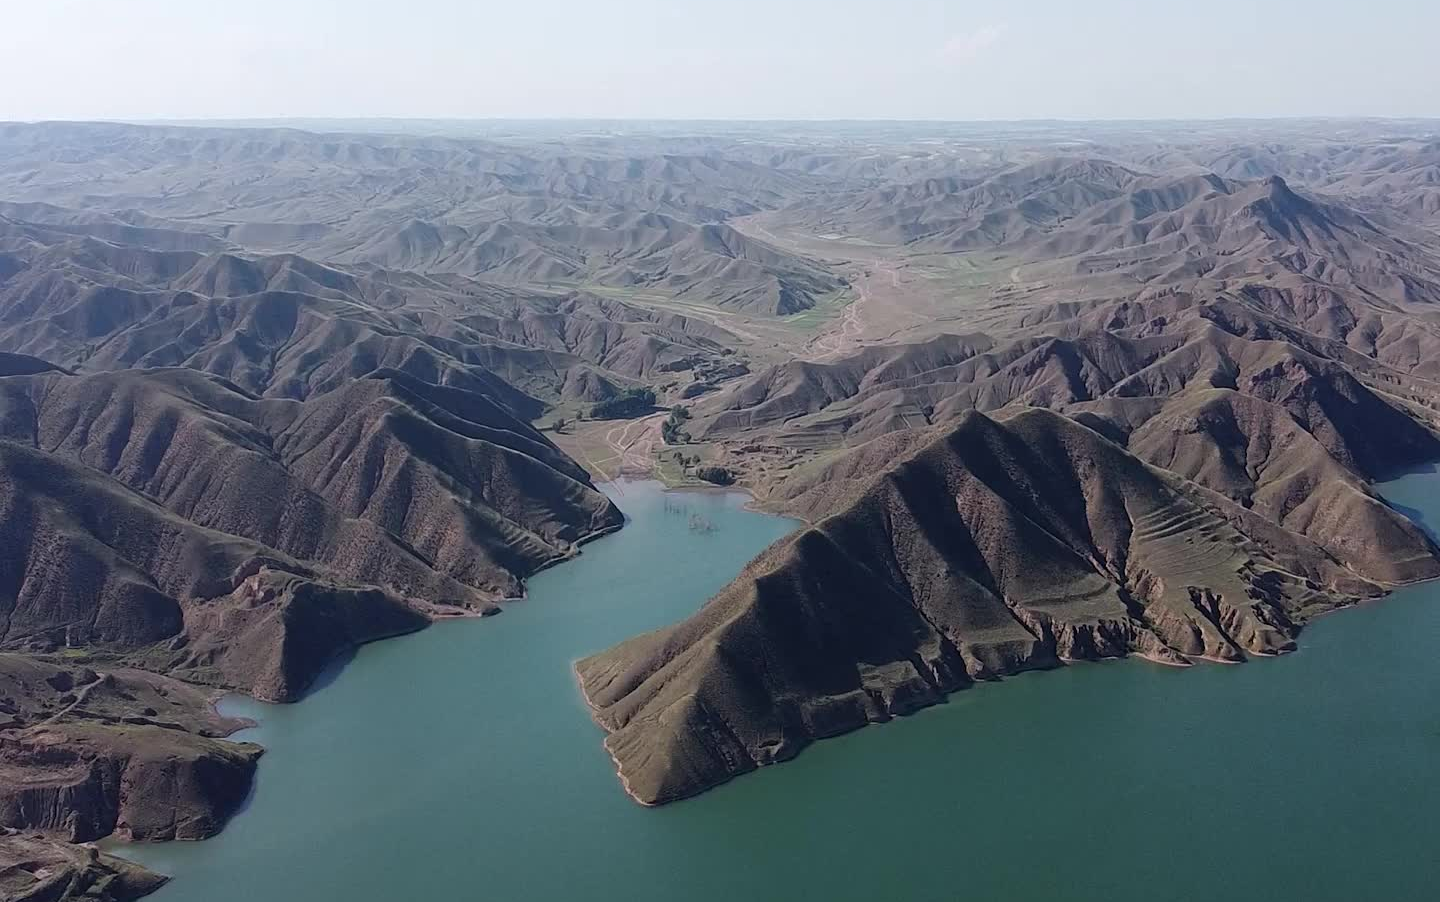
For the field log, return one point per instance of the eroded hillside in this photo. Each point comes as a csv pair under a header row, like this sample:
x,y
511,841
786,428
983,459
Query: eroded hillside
x,y
1041,395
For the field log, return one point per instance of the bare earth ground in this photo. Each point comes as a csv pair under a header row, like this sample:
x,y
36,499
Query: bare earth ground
x,y
898,295
613,448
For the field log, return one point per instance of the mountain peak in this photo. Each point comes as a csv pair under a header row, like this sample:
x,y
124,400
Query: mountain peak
x,y
1277,187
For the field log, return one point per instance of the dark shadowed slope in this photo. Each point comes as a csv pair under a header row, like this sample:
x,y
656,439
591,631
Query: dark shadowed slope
x,y
289,327
433,492
167,521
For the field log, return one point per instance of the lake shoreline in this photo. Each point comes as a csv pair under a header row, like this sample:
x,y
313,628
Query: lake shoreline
x,y
334,669
517,749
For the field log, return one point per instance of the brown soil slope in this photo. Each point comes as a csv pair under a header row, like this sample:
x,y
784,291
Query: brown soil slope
x,y
432,491
267,394
36,869
285,326
91,751
997,547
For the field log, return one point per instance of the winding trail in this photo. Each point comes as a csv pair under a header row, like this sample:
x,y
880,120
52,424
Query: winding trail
x,y
634,443
837,341
81,698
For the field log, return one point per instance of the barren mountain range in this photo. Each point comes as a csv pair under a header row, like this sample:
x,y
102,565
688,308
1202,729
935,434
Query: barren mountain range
x,y
1039,394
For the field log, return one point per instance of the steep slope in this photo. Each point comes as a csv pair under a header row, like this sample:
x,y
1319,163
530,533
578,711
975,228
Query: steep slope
x,y
90,563
1259,455
266,394
1107,356
432,492
1174,231
1388,173
169,520
997,547
289,327
42,870
93,752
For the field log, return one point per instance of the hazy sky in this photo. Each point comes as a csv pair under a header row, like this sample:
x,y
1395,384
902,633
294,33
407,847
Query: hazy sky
x,y
901,59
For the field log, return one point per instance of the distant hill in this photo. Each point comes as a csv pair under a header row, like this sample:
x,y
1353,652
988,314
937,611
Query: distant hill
x,y
498,212
284,325
954,213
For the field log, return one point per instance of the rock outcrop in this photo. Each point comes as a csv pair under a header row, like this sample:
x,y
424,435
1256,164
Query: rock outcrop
x,y
93,751
35,868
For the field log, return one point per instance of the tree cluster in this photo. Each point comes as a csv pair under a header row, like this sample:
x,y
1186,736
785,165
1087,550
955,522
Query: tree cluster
x,y
671,430
630,403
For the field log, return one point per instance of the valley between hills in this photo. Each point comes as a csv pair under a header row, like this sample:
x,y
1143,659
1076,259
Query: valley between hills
x,y
1039,395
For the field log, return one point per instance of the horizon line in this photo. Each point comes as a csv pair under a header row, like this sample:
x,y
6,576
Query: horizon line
x,y
769,120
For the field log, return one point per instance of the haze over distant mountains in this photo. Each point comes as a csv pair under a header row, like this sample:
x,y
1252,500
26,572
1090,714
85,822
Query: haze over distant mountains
x,y
538,215
1041,393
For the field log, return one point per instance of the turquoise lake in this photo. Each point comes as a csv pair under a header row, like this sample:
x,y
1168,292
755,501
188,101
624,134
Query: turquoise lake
x,y
460,763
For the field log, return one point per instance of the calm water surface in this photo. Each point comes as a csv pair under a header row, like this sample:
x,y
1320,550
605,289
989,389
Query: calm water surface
x,y
460,764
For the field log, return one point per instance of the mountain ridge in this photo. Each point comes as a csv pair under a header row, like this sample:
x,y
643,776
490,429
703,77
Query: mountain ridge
x,y
1086,559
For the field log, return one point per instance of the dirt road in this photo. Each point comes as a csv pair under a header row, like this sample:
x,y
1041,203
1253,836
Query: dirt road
x,y
844,336
633,443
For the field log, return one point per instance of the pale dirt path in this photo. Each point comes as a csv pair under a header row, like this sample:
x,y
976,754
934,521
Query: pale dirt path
x,y
845,336
634,443
613,449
